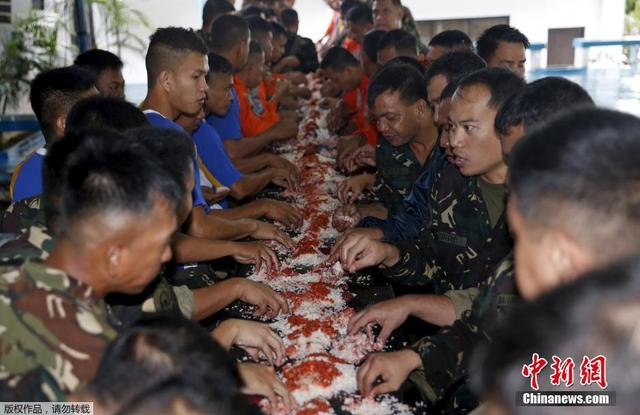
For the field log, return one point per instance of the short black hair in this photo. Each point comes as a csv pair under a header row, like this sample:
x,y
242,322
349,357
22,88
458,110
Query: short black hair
x,y
219,64
452,40
253,11
171,148
215,8
501,83
540,100
92,172
228,31
98,60
258,26
406,60
454,65
157,348
597,314
347,5
338,58
99,111
360,14
488,42
402,78
578,172
54,92
168,47
370,43
289,17
401,40
277,29
449,90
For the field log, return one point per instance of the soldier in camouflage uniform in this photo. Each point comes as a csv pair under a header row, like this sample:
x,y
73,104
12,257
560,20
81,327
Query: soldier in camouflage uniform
x,y
54,323
397,98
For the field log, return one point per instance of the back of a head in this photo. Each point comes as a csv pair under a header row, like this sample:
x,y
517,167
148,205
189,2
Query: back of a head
x,y
540,100
212,9
253,11
595,315
229,31
157,348
258,26
100,173
453,65
501,83
219,65
168,47
289,17
403,42
347,5
338,58
401,78
360,14
98,111
406,61
370,44
452,40
488,42
54,92
277,29
578,173
98,60
179,395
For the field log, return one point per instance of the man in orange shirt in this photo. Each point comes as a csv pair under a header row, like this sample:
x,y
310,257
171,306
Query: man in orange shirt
x,y
341,67
359,22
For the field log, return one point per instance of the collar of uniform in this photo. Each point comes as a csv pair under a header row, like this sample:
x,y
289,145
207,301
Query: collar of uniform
x,y
56,280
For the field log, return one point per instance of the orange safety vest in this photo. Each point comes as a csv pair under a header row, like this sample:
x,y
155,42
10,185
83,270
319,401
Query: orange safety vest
x,y
356,101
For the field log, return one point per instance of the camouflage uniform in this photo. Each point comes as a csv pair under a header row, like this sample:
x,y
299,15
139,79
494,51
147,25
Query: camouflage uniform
x,y
409,220
26,218
397,171
459,246
54,331
409,25
445,354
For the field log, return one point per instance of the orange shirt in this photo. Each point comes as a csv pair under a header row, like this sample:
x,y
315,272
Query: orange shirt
x,y
356,101
353,46
256,114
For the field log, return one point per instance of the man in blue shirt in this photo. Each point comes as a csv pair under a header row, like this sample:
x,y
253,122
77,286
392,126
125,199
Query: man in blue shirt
x,y
176,67
53,94
234,46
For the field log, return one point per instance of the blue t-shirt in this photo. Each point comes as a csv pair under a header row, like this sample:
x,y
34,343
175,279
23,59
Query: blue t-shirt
x,y
26,180
158,120
228,126
214,161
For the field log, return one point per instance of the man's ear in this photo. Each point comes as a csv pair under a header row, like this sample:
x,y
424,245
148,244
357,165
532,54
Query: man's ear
x,y
61,125
165,80
569,257
422,109
114,258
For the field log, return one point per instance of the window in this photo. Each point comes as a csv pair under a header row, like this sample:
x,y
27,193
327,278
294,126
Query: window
x,y
472,27
5,11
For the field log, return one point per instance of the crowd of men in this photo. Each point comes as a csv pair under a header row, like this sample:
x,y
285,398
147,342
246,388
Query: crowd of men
x,y
505,209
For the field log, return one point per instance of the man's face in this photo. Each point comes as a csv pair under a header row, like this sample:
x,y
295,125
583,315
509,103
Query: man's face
x,y
536,271
148,248
293,27
356,31
386,15
279,44
508,140
219,94
187,86
110,83
509,56
474,142
444,127
386,54
434,53
345,79
398,122
436,85
254,71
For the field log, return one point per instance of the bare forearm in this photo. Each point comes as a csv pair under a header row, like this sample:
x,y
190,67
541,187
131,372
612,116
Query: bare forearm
x,y
253,210
252,164
376,210
434,309
210,300
209,226
247,146
251,184
187,248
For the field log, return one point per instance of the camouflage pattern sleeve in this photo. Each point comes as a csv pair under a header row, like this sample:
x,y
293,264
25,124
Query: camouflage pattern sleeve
x,y
25,219
444,354
53,332
462,299
459,247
